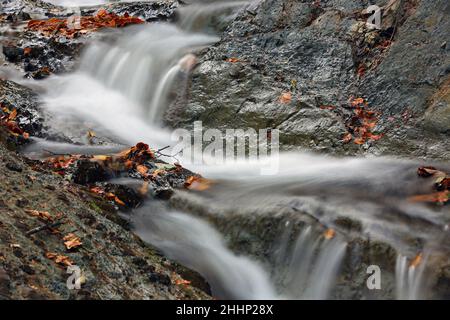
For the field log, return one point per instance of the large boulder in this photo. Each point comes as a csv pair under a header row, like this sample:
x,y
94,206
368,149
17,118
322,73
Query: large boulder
x,y
322,53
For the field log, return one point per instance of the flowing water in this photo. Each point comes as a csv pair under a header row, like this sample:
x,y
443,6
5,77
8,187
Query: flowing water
x,y
124,84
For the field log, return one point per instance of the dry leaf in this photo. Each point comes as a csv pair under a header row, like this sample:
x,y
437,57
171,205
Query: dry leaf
x,y
285,97
347,138
59,259
183,282
197,183
44,215
416,261
437,197
142,170
72,241
329,234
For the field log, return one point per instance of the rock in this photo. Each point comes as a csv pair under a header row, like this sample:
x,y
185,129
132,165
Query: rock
x,y
13,54
88,172
137,270
330,55
14,167
4,284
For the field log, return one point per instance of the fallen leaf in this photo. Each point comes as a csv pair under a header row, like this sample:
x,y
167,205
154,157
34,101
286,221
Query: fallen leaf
x,y
44,215
158,172
357,101
285,97
142,170
118,201
64,27
437,197
72,241
182,282
59,259
26,51
12,115
197,183
347,138
426,171
232,60
329,234
416,261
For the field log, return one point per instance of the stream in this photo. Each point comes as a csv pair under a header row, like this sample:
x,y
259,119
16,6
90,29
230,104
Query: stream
x,y
307,232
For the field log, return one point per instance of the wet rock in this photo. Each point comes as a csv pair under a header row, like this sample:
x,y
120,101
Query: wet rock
x,y
14,167
323,54
88,172
136,270
126,194
160,278
4,284
443,283
149,11
13,54
29,117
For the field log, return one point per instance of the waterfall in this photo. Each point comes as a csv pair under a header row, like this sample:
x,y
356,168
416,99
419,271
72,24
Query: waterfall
x,y
197,245
123,86
409,278
144,65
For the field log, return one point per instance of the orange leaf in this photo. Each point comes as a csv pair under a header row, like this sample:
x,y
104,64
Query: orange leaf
x,y
197,183
347,138
118,201
59,259
142,170
44,215
285,97
329,234
182,282
416,261
357,102
437,197
72,241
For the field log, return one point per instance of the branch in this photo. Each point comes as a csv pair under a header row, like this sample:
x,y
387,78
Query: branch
x,y
44,227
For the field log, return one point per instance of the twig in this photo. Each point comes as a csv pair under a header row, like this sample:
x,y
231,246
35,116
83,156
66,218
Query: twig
x,y
159,150
44,227
56,154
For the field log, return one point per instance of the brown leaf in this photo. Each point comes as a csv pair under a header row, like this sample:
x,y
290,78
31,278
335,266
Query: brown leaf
x,y
416,261
72,241
182,282
197,183
285,97
437,197
329,234
347,138
59,259
44,215
232,60
142,170
426,171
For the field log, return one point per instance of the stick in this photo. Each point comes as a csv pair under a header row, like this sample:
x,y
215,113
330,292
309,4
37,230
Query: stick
x,y
44,227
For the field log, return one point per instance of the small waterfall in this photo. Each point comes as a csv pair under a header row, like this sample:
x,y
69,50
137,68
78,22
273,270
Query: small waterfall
x,y
198,15
197,245
312,264
145,65
409,277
